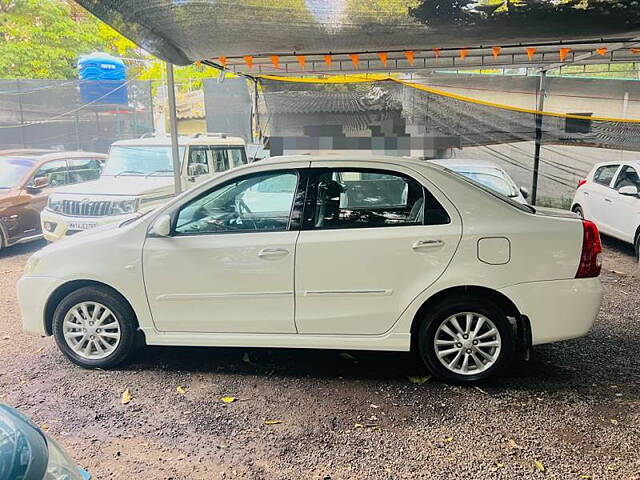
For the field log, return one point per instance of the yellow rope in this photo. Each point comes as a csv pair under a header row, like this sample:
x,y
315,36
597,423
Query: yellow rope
x,y
371,78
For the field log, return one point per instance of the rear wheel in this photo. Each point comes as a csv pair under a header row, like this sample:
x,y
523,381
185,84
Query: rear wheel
x,y
578,209
466,339
95,328
637,245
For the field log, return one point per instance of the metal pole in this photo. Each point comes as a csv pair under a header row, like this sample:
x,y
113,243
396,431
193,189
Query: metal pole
x,y
173,128
536,155
22,134
256,132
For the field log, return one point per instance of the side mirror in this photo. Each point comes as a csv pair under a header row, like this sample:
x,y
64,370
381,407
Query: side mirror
x,y
629,190
39,183
162,226
525,192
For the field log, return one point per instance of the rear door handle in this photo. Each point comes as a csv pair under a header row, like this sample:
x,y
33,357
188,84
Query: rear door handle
x,y
607,200
586,193
424,244
272,252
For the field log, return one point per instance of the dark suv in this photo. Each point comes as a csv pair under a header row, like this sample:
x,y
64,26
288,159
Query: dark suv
x,y
27,177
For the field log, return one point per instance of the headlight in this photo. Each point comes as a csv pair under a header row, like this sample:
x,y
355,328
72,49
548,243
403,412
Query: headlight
x,y
55,203
122,207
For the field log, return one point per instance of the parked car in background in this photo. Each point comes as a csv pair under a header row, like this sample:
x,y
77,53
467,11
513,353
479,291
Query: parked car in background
x,y
487,173
324,252
137,178
27,453
28,177
609,196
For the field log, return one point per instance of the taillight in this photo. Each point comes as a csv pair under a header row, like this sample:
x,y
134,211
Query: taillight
x,y
582,182
590,263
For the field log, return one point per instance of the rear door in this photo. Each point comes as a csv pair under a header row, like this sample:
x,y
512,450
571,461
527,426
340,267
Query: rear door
x,y
372,240
600,202
55,173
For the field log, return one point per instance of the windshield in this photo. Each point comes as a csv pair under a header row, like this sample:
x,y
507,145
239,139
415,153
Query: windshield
x,y
495,179
143,160
493,192
12,170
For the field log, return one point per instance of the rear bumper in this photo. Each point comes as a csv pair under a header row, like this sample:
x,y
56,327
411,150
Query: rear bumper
x,y
33,293
55,226
559,309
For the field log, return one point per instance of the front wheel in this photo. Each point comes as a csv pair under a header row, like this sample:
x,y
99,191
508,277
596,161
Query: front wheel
x,y
95,328
466,340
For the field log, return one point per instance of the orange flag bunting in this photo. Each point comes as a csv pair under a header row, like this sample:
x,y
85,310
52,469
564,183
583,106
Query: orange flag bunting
x,y
198,63
602,51
531,51
436,52
302,60
275,61
222,61
410,54
383,58
463,53
249,61
355,59
635,51
328,60
563,53
496,51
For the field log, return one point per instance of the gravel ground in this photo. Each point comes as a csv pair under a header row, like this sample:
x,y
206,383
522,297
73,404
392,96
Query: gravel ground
x,y
572,411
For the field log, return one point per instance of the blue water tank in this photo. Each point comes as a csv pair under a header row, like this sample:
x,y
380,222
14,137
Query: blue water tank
x,y
102,79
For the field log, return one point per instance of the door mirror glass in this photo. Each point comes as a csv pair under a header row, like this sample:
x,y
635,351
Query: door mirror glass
x,y
525,192
162,226
629,190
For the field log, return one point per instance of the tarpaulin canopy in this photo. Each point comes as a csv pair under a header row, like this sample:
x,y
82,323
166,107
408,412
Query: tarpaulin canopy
x,y
185,31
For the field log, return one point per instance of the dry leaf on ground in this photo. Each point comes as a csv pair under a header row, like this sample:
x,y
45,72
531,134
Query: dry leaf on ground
x,y
126,397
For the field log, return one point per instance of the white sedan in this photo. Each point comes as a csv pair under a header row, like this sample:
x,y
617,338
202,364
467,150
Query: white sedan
x,y
317,252
610,197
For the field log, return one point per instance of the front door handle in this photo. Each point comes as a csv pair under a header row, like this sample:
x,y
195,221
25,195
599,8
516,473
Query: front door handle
x,y
272,252
423,244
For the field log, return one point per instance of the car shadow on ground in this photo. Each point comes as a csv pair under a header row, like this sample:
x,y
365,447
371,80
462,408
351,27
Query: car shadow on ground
x,y
618,246
22,249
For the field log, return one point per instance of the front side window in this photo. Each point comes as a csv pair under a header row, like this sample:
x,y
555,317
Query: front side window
x,y
254,203
628,177
604,175
199,160
84,169
141,160
51,174
369,198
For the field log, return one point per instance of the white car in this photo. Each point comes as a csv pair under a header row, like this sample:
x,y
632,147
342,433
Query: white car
x,y
487,173
609,197
317,252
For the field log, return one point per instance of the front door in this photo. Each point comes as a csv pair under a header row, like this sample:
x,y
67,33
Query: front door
x,y
625,209
229,264
371,242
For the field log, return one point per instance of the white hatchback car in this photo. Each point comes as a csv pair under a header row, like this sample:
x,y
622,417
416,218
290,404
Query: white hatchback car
x,y
312,252
609,197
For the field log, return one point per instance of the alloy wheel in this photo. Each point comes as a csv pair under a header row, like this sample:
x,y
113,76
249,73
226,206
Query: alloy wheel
x,y
467,343
91,330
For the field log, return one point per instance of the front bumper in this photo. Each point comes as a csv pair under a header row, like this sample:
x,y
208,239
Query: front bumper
x,y
33,293
558,309
56,226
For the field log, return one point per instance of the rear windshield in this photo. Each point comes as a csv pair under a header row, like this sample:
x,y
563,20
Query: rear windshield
x,y
12,170
500,196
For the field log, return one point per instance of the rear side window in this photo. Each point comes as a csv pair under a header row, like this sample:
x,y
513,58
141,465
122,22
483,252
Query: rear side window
x,y
371,198
604,175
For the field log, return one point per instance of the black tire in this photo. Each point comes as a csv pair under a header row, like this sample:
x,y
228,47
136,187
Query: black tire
x,y
637,247
123,315
578,209
442,311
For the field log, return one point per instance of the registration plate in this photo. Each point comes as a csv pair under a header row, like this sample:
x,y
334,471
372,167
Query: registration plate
x,y
82,226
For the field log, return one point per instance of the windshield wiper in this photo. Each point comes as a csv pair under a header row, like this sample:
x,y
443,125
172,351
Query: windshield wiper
x,y
158,171
128,172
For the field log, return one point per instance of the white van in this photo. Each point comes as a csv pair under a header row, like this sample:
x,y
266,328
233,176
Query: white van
x,y
137,177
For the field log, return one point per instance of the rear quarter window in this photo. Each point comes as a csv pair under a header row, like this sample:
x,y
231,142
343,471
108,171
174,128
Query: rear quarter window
x,y
604,175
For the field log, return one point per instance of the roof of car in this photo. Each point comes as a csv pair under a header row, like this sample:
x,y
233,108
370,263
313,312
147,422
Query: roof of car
x,y
465,163
363,157
634,162
43,155
196,139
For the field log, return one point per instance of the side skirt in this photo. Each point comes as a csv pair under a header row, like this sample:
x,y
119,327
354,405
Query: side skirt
x,y
400,342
